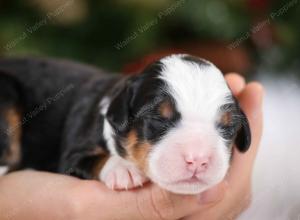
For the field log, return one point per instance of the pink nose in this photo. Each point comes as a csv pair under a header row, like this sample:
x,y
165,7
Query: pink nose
x,y
197,164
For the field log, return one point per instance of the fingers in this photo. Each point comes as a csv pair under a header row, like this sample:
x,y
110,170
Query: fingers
x,y
250,100
235,82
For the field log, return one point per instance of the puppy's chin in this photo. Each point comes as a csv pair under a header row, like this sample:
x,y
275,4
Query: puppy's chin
x,y
185,188
189,187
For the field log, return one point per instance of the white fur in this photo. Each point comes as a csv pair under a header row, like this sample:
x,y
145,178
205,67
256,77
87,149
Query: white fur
x,y
104,104
199,92
3,170
108,135
119,173
166,166
107,129
276,178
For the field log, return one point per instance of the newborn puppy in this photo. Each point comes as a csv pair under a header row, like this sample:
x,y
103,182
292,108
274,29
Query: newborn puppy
x,y
175,123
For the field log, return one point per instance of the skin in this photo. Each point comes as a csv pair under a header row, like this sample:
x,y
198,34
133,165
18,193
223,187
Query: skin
x,y
38,195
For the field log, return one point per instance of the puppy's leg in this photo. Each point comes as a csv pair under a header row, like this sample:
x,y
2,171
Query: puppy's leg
x,y
4,145
10,124
10,139
84,162
118,173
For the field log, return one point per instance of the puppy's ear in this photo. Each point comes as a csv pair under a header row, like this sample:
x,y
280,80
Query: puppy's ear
x,y
125,101
118,113
243,138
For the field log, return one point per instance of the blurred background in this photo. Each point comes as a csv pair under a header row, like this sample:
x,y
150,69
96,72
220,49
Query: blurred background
x,y
246,36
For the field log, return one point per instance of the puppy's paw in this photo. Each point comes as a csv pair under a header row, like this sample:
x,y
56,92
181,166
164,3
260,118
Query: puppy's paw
x,y
3,170
120,174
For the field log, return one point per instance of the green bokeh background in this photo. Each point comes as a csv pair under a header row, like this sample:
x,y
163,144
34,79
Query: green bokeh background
x,y
88,30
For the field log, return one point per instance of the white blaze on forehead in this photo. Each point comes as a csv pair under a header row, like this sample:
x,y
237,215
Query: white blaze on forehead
x,y
198,90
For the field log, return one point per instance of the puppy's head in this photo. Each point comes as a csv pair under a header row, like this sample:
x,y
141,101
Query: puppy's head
x,y
177,121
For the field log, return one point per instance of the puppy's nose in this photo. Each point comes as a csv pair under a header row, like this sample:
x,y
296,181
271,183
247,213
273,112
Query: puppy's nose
x,y
196,164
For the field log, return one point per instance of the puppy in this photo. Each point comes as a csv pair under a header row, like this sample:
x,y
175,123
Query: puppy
x,y
174,124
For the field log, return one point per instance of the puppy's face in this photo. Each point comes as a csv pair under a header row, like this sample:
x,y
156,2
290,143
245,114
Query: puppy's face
x,y
177,122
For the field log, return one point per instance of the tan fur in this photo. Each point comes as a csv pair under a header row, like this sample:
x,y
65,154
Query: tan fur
x,y
103,157
14,132
226,118
137,151
166,109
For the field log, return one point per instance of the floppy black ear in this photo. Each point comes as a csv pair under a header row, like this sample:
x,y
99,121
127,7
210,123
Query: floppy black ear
x,y
122,110
118,113
243,138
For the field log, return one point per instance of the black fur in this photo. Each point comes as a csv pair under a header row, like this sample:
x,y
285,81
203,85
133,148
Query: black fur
x,y
243,138
61,123
11,97
60,111
62,128
139,99
197,60
238,130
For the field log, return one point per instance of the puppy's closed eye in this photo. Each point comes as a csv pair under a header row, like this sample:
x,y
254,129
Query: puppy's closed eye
x,y
234,127
227,127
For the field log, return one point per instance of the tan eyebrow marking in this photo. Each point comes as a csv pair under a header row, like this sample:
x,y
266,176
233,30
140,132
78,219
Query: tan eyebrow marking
x,y
166,109
226,118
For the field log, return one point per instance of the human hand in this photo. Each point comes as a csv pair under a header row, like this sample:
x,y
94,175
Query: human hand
x,y
36,195
238,193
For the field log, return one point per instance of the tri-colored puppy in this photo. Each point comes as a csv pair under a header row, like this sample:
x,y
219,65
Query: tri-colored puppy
x,y
175,123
